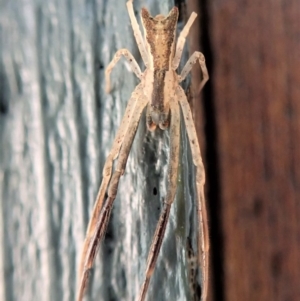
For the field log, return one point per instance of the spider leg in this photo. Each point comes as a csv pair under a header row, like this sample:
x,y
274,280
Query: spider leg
x,y
203,239
137,33
181,41
131,60
172,180
101,213
108,168
196,56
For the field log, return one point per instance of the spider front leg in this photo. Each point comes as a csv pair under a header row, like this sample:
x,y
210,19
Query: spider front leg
x,y
130,59
172,182
181,41
101,214
137,33
196,56
203,239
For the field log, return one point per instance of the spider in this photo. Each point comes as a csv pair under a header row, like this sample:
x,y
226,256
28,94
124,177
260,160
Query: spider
x,y
161,95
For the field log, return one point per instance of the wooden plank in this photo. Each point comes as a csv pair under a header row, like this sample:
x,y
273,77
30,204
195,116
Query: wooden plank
x,y
56,128
257,99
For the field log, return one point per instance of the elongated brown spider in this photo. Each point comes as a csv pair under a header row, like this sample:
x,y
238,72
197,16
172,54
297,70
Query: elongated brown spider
x,y
160,92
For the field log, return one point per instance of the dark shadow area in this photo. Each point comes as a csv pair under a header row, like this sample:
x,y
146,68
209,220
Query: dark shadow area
x,y
212,159
4,92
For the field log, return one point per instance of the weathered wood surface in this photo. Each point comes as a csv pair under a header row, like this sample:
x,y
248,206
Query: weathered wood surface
x,y
256,95
57,126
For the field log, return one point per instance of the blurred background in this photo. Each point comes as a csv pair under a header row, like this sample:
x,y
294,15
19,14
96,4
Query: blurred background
x,y
57,126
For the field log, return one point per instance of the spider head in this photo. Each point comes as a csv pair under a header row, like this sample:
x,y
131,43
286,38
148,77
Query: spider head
x,y
160,34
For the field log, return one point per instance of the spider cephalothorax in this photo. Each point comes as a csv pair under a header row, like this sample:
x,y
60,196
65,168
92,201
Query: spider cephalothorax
x,y
160,34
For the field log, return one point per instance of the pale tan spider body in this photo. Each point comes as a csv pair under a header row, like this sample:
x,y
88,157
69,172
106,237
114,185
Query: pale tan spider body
x,y
161,93
160,79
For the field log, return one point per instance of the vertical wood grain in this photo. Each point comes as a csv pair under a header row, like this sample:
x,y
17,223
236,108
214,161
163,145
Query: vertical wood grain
x,y
56,129
257,96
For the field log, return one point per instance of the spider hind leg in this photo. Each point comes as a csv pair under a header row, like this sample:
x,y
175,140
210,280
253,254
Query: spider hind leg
x,y
203,239
101,215
172,186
